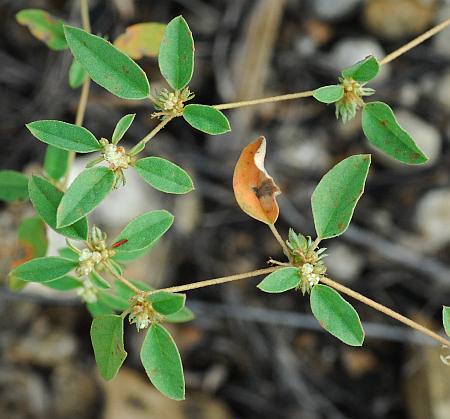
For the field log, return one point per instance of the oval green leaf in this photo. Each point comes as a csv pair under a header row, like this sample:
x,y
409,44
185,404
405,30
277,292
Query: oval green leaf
x,y
164,175
107,341
32,235
122,127
166,302
98,309
336,315
45,199
44,269
281,280
44,27
65,283
364,70
206,119
162,362
382,129
176,53
337,194
142,232
56,162
181,316
107,65
77,74
84,194
63,135
13,186
446,319
329,94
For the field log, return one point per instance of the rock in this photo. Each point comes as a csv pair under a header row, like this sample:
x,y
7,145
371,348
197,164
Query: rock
x,y
398,19
343,263
441,41
350,50
308,155
130,395
75,392
432,218
409,95
425,135
334,9
23,394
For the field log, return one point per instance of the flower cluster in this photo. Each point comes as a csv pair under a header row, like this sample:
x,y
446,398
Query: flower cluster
x,y
308,259
349,104
142,313
171,103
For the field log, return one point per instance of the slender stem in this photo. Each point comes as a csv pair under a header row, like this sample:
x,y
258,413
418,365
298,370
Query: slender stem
x,y
385,310
82,102
415,42
153,132
122,279
280,240
315,243
215,281
271,99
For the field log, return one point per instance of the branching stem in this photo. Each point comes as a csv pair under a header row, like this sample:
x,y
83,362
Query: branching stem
x,y
122,279
280,240
385,310
216,281
153,132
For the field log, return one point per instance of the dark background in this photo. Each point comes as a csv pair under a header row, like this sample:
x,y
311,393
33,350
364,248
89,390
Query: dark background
x,y
248,354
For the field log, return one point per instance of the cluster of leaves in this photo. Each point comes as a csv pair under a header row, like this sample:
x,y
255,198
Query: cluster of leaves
x,y
65,210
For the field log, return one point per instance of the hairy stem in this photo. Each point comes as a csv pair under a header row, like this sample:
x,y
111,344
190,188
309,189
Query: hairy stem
x,y
271,99
122,279
280,240
385,310
415,42
215,281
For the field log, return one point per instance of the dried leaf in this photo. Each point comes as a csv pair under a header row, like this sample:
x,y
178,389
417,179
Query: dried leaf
x,y
254,189
141,40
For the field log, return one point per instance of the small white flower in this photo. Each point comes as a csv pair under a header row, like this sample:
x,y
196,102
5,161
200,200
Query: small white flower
x,y
88,292
307,269
85,255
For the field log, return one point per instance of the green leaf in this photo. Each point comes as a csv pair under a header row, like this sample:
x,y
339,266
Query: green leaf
x,y
181,316
107,341
336,315
77,74
56,162
337,194
44,27
68,253
84,194
63,135
44,269
65,283
107,65
122,127
382,129
98,280
45,199
446,319
164,175
206,119
115,302
176,53
363,71
329,94
281,280
13,186
166,302
162,362
143,232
